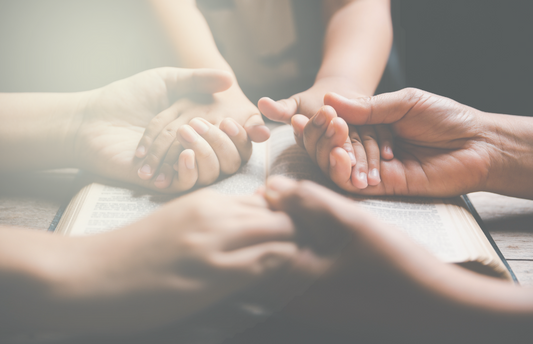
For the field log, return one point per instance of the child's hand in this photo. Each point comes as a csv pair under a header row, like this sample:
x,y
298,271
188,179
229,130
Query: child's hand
x,y
325,133
199,153
365,145
221,147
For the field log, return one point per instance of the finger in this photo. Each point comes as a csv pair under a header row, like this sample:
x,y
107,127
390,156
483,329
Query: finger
x,y
298,123
154,128
256,128
258,261
309,206
238,136
257,227
165,173
182,80
206,159
383,108
187,172
317,127
340,169
336,136
386,141
280,111
368,136
360,170
157,151
227,154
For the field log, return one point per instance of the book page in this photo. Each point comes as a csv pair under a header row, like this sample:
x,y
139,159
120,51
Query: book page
x,y
425,220
100,208
108,207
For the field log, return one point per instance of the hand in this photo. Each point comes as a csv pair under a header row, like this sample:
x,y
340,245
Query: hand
x,y
168,135
372,276
365,145
325,131
442,147
114,118
187,256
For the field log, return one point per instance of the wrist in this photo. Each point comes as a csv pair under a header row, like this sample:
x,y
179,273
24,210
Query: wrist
x,y
341,84
510,139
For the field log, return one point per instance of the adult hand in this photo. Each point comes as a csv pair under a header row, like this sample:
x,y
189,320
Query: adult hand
x,y
365,145
442,148
372,277
187,256
114,118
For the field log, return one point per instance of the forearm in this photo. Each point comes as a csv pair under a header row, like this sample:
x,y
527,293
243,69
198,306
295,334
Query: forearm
x,y
29,265
191,36
357,43
510,142
38,128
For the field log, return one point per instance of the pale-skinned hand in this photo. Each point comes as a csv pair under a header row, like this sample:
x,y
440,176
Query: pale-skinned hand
x,y
166,136
113,120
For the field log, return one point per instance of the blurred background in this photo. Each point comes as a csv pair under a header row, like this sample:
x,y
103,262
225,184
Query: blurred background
x,y
478,52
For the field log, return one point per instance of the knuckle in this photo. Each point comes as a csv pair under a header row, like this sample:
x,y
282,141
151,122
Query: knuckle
x,y
368,138
232,165
168,134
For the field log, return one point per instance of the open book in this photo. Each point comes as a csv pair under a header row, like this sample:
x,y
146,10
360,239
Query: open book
x,y
444,226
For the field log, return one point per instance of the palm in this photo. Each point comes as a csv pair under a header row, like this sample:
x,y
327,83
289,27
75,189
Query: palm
x,y
115,122
438,152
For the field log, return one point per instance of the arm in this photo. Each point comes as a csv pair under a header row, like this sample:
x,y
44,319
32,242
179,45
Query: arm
x,y
358,42
380,279
443,148
190,254
196,48
99,130
38,130
356,48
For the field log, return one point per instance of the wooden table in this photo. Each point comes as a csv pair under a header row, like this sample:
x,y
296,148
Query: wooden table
x,y
31,200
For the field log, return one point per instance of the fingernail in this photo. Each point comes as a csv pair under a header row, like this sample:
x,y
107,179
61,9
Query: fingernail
x,y
363,178
189,162
388,149
189,134
160,177
319,119
375,174
230,128
200,127
146,169
332,160
330,131
140,151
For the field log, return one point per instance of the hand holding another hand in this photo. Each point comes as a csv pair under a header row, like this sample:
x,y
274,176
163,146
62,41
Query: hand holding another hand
x,y
365,145
442,148
111,130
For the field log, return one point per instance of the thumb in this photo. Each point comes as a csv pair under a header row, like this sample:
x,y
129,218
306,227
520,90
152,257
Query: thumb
x,y
280,111
183,80
385,108
256,129
318,213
